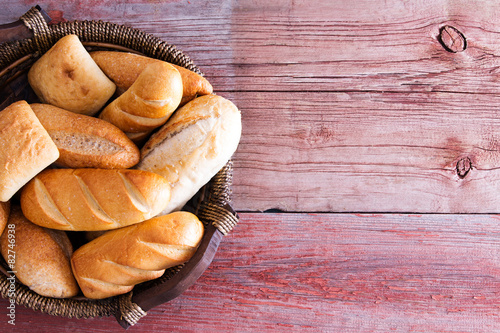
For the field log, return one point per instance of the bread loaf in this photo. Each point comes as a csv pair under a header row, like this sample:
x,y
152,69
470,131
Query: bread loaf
x,y
193,146
124,68
25,148
39,256
66,76
86,142
93,199
4,214
149,102
102,270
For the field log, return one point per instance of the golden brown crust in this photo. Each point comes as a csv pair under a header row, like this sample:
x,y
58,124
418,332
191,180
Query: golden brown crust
x,y
67,77
93,199
86,142
4,214
26,148
116,261
124,68
40,257
149,102
195,143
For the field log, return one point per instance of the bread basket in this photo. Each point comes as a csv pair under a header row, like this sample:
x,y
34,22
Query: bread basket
x,y
26,41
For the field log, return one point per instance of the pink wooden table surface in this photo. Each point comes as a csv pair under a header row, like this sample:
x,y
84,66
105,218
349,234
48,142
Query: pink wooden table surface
x,y
368,175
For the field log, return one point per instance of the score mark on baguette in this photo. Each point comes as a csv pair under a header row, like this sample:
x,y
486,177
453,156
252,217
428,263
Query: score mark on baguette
x,y
102,270
93,199
86,142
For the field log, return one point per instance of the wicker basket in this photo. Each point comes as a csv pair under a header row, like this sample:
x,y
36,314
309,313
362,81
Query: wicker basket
x,y
211,204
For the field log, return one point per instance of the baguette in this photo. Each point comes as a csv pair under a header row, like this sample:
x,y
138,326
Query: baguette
x,y
102,270
39,256
66,76
93,199
26,148
193,146
149,102
124,68
86,142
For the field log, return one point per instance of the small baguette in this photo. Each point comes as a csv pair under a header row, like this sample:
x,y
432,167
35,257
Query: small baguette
x,y
193,146
39,256
124,68
66,76
102,270
86,142
26,148
93,199
149,102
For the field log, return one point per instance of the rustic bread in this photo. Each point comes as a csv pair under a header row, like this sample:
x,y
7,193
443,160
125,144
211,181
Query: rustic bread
x,y
93,199
4,214
124,68
67,77
39,256
26,148
86,142
102,270
149,102
196,142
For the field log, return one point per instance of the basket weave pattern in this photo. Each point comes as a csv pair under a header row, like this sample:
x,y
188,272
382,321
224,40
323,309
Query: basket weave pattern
x,y
214,203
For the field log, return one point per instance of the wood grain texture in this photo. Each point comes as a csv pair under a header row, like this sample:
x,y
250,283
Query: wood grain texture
x,y
348,106
333,273
357,105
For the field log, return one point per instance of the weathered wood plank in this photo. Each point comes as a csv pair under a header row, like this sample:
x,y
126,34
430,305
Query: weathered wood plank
x,y
368,152
334,273
357,105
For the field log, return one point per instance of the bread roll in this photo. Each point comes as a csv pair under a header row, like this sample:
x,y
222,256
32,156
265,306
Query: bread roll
x,y
149,102
193,146
67,77
86,142
25,148
102,270
93,199
124,68
39,256
4,214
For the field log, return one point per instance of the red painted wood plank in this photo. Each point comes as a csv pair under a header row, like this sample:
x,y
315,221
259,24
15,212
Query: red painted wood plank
x,y
335,273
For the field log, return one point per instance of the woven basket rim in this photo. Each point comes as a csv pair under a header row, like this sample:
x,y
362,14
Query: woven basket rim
x,y
92,33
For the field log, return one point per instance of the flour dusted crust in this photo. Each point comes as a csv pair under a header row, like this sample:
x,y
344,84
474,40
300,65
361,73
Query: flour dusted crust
x,y
42,257
67,77
25,148
195,143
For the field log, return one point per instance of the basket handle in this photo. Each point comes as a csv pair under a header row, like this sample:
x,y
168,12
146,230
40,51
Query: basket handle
x,y
18,30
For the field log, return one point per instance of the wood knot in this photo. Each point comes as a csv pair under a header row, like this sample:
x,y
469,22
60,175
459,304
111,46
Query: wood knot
x,y
463,167
452,40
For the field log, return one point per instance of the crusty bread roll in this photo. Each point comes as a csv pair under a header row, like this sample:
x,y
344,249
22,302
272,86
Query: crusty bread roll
x,y
124,68
93,199
26,148
39,256
149,102
102,270
86,142
4,214
67,77
193,146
